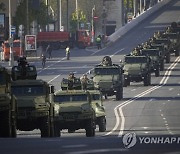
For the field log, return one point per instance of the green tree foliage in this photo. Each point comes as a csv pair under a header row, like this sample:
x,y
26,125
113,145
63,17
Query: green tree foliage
x,y
77,17
39,15
2,7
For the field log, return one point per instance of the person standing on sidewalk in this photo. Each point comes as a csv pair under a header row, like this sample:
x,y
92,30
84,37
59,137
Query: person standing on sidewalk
x,y
67,52
49,51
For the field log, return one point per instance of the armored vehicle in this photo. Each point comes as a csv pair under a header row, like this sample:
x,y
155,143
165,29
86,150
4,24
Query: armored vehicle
x,y
7,106
175,42
137,68
97,105
156,60
166,43
23,70
161,55
35,107
108,78
75,111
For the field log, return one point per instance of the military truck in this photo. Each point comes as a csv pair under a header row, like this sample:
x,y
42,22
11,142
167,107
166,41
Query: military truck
x,y
7,105
156,60
108,78
74,112
35,106
137,69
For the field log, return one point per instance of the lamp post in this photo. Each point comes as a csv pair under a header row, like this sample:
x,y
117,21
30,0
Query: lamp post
x,y
11,58
92,25
77,14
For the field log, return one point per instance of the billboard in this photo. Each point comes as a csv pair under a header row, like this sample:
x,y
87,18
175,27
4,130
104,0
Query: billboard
x,y
30,42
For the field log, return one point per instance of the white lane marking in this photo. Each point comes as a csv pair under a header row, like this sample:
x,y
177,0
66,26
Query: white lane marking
x,y
50,65
54,78
163,82
170,89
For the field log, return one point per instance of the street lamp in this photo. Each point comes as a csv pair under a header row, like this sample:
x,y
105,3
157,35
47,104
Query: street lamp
x,y
92,25
11,57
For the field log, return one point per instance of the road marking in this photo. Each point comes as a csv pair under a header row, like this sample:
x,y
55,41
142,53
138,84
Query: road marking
x,y
120,106
54,78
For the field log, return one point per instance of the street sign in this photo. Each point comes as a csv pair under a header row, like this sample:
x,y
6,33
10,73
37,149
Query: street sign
x,y
13,30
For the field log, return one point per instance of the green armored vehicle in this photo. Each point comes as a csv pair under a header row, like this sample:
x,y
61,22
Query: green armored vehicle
x,y
73,111
137,69
97,105
35,107
175,42
166,44
23,70
155,56
108,78
7,106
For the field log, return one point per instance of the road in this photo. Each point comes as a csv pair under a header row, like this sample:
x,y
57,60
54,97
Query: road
x,y
151,111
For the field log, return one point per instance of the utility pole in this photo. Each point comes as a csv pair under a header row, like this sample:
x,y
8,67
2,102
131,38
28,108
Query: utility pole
x,y
77,14
47,5
59,4
11,58
92,25
67,15
27,16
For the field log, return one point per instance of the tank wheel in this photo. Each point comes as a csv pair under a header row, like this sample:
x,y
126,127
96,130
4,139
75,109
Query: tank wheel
x,y
45,127
157,72
90,128
102,124
162,65
119,93
177,53
5,127
168,58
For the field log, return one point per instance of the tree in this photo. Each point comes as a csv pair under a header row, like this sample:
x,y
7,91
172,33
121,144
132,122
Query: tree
x,y
40,15
2,6
76,18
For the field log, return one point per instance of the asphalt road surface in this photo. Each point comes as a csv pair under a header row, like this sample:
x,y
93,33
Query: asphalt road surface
x,y
150,115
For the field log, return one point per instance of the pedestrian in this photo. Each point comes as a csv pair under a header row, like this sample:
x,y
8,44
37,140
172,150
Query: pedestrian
x,y
67,52
98,42
43,61
49,51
